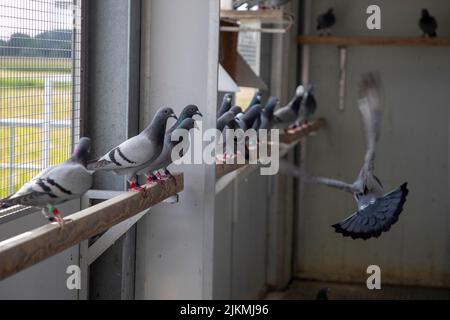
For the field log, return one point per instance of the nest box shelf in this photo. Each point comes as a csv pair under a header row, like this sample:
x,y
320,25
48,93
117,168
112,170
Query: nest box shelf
x,y
372,41
239,19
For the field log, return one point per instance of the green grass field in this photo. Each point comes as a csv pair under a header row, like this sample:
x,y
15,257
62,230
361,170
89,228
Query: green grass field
x,y
22,97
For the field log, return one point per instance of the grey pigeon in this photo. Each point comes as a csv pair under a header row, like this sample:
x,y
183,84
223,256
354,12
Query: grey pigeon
x,y
428,24
56,184
376,212
226,105
245,121
288,115
326,21
256,100
236,110
224,120
165,157
309,105
264,4
187,113
267,114
130,155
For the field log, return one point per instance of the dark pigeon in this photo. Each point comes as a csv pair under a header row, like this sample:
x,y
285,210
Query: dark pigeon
x,y
225,106
326,21
428,24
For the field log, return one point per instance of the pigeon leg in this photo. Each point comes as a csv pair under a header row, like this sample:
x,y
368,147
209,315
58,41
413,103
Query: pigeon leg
x,y
56,216
46,213
151,177
133,186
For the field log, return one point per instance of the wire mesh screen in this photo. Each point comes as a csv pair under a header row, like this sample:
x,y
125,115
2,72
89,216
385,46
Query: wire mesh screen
x,y
39,86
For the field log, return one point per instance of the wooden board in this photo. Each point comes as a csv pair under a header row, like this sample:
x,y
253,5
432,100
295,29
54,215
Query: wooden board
x,y
373,41
31,247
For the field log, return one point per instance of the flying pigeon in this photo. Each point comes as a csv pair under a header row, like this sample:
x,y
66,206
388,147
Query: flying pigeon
x,y
325,21
376,212
428,24
309,105
56,184
165,158
130,155
267,117
226,105
264,4
287,115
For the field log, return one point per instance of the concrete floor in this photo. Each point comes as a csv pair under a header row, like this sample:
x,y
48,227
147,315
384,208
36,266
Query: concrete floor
x,y
307,290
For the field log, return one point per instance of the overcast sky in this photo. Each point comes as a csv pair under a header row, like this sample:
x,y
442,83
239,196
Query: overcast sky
x,y
33,16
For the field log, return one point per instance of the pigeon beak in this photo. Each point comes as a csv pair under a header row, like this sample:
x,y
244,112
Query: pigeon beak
x,y
173,115
199,113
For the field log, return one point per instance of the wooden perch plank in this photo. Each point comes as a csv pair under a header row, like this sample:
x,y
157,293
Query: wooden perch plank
x,y
373,41
275,15
295,135
292,136
34,246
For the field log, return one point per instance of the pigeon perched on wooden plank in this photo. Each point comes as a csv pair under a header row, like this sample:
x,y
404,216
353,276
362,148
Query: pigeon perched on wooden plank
x,y
224,120
247,119
376,212
309,106
187,113
56,184
288,115
428,24
256,100
236,110
226,104
130,155
267,114
326,21
165,157
263,4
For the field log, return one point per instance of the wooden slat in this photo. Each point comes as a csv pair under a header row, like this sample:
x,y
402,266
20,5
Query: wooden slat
x,y
290,137
34,246
373,41
275,15
297,134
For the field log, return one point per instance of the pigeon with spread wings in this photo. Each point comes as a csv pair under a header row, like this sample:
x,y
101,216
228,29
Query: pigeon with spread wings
x,y
377,212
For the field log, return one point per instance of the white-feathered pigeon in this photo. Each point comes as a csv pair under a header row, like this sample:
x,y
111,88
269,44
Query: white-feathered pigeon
x,y
325,21
130,155
56,184
376,212
428,24
288,115
165,158
226,104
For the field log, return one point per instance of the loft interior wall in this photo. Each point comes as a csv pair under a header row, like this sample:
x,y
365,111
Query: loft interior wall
x,y
414,147
179,65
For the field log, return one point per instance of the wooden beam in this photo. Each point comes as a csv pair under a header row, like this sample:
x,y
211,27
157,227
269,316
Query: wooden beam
x,y
290,137
266,16
31,247
296,135
373,41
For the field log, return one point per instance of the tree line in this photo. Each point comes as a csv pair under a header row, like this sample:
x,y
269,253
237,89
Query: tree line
x,y
52,44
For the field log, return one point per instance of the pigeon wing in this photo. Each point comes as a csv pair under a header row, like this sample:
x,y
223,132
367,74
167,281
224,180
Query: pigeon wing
x,y
376,217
